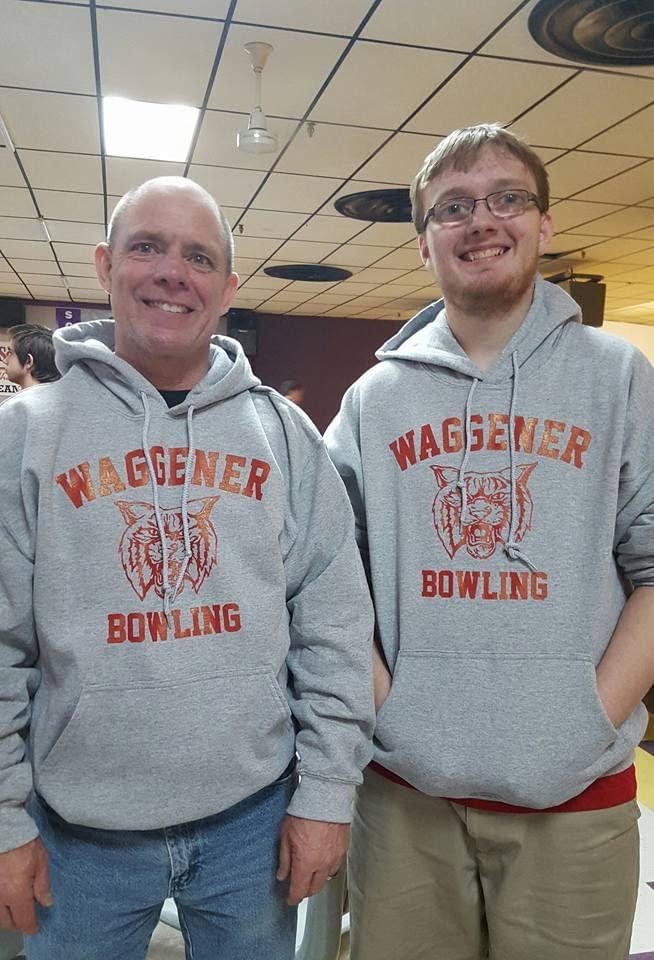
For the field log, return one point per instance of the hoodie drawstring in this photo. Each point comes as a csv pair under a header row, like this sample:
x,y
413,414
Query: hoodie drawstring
x,y
461,482
170,594
511,548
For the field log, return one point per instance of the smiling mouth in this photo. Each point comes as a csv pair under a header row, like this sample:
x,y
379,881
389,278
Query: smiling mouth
x,y
167,307
473,255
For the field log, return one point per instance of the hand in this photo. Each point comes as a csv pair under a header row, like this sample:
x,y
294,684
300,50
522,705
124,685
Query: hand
x,y
23,880
382,679
310,853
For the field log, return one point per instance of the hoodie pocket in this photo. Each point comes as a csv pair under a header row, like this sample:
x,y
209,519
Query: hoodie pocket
x,y
517,729
148,755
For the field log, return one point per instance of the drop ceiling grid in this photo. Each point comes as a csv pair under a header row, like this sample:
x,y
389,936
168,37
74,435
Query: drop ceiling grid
x,y
291,206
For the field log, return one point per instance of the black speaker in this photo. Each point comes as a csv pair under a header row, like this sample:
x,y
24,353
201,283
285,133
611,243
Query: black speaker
x,y
12,312
242,326
590,295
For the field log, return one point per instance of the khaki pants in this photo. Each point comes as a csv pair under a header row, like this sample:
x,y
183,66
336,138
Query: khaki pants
x,y
433,880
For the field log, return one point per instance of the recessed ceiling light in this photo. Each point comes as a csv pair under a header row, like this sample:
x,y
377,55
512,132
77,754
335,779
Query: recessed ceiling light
x,y
311,272
598,32
148,131
377,206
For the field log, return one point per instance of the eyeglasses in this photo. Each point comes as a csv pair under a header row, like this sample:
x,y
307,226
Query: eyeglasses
x,y
504,204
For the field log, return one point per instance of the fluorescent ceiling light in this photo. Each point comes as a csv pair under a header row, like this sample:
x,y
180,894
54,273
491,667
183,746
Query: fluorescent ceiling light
x,y
149,131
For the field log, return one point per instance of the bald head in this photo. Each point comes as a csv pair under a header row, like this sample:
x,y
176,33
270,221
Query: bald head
x,y
165,186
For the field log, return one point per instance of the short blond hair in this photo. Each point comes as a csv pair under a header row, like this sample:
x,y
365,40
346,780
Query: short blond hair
x,y
461,148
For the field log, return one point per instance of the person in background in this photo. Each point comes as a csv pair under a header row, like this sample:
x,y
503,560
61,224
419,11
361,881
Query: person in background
x,y
183,610
500,461
30,357
293,390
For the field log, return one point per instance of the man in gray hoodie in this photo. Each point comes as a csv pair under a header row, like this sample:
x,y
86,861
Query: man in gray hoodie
x,y
500,460
182,611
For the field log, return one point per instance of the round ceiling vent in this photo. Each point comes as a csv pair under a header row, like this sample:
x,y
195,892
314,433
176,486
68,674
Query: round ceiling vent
x,y
617,33
311,272
379,206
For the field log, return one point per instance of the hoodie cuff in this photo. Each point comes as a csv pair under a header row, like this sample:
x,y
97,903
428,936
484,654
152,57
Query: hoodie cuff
x,y
319,799
16,828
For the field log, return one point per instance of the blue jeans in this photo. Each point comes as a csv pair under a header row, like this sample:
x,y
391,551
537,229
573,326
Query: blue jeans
x,y
109,886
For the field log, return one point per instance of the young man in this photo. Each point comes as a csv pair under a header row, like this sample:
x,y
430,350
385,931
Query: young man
x,y
182,608
30,358
500,460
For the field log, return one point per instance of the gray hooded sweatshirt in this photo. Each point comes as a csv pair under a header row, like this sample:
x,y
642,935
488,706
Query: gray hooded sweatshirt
x,y
502,516
182,603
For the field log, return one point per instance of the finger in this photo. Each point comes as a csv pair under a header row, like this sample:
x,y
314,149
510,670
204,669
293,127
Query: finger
x,y
284,867
23,916
42,885
6,920
300,884
318,881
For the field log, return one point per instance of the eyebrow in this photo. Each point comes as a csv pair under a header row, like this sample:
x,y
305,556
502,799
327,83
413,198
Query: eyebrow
x,y
496,185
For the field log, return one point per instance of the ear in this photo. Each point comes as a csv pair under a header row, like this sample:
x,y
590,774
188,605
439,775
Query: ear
x,y
546,231
103,257
29,363
231,286
424,250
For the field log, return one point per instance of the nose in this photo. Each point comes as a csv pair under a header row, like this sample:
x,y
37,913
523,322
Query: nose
x,y
171,269
481,217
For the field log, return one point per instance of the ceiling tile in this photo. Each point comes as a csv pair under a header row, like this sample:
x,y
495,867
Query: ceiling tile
x,y
13,289
302,251
233,188
81,252
636,135
333,151
71,232
140,56
646,234
296,193
191,8
329,229
83,295
619,247
55,204
47,46
10,175
377,275
51,121
405,257
400,159
124,173
567,214
62,171
623,221
298,66
245,266
643,258
381,101
388,234
357,255
217,141
514,40
337,16
77,269
432,21
270,223
633,186
566,119
13,228
578,171
255,247
27,267
27,250
487,89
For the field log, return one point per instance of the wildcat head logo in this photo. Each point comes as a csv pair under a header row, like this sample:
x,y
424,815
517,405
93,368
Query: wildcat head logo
x,y
489,509
140,545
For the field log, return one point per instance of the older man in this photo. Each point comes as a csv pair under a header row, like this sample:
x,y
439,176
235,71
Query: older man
x,y
182,609
500,460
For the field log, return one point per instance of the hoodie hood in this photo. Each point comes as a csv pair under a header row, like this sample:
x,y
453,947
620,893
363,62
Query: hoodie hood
x,y
427,337
91,345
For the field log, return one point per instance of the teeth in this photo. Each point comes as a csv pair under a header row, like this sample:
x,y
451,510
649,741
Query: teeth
x,y
168,307
483,254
